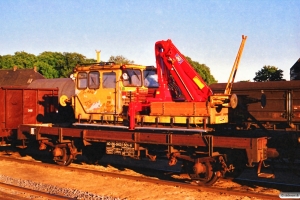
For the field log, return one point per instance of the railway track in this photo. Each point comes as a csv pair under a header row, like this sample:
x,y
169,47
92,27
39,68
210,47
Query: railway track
x,y
163,180
13,192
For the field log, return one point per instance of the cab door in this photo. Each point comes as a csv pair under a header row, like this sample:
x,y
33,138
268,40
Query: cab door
x,y
110,96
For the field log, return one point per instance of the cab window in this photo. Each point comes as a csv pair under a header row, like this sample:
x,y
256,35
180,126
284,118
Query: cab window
x,y
82,80
94,80
109,80
132,77
150,78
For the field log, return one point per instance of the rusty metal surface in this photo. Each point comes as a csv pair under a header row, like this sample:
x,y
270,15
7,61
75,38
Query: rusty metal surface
x,y
282,101
247,86
142,137
26,106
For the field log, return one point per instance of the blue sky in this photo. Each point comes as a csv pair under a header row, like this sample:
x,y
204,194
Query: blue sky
x,y
210,32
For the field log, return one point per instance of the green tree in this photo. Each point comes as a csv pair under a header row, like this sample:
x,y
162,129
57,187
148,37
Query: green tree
x,y
120,60
24,60
20,59
268,73
202,70
72,59
47,70
90,60
7,62
50,64
58,65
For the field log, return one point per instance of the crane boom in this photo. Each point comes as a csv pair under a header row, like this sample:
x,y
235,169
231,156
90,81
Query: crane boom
x,y
235,66
173,67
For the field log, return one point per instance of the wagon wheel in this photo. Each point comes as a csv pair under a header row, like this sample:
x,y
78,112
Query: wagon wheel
x,y
201,172
65,159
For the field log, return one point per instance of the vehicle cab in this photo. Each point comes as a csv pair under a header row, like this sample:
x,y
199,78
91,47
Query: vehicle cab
x,y
103,89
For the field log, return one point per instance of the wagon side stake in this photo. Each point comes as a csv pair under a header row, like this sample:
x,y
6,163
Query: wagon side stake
x,y
263,175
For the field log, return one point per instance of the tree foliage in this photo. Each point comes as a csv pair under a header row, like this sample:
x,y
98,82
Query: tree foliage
x,y
49,64
24,60
21,59
202,70
71,59
7,62
268,73
120,60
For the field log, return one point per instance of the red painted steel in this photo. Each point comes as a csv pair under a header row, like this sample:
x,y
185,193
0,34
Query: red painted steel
x,y
143,137
26,106
170,62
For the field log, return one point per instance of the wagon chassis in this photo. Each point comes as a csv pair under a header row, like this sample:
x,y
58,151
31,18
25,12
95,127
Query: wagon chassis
x,y
134,143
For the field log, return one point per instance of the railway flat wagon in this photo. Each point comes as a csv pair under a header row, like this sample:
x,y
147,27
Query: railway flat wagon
x,y
112,109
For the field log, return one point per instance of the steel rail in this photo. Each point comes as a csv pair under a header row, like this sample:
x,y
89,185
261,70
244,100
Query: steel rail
x,y
30,191
193,186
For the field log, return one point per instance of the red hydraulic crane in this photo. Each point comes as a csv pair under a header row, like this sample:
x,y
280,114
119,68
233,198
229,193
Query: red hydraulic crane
x,y
172,67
